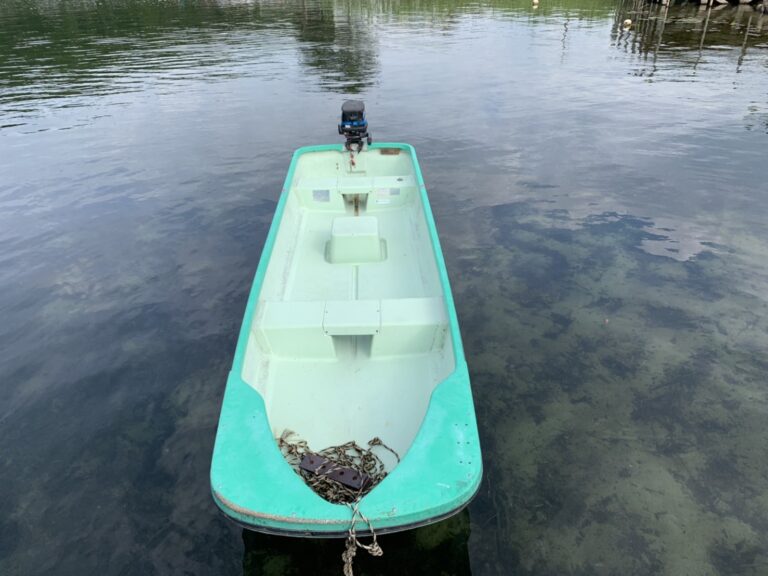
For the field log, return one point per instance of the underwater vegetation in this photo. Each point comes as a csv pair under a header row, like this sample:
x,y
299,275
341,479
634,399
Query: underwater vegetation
x,y
620,397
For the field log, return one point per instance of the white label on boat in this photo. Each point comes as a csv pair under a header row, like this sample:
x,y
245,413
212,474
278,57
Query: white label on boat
x,y
321,195
387,192
382,192
383,195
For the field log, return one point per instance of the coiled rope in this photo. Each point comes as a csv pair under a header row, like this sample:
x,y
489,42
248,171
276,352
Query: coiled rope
x,y
349,455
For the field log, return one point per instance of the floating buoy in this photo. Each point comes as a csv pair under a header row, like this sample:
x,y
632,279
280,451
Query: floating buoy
x,y
627,23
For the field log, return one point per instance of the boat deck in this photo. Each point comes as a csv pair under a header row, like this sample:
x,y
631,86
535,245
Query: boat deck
x,y
399,275
350,334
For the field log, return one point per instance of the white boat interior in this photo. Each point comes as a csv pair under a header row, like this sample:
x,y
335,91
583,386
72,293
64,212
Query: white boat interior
x,y
350,333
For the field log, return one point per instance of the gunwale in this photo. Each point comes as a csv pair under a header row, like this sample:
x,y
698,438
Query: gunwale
x,y
438,476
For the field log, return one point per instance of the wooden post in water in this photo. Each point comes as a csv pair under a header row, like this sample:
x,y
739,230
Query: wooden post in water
x,y
706,24
703,33
744,46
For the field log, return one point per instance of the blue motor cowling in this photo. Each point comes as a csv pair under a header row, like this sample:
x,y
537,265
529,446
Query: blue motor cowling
x,y
353,125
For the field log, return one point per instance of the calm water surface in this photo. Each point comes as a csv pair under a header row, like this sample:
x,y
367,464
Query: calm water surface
x,y
601,195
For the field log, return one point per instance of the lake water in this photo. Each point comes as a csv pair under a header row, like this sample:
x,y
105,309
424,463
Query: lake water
x,y
602,199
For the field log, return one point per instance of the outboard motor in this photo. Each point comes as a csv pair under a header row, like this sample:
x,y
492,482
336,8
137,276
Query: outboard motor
x,y
353,124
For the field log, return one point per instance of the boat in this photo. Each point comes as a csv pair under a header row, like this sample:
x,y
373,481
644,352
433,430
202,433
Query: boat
x,y
350,333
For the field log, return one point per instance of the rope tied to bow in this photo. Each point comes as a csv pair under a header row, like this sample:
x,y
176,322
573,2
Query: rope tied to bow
x,y
349,455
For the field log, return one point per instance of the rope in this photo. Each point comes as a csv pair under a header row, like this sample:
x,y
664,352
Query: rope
x,y
349,455
376,441
353,543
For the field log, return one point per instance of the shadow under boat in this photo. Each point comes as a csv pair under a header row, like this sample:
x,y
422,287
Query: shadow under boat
x,y
441,548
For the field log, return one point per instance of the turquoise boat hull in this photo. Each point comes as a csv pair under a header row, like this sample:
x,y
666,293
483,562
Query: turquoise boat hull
x,y
350,332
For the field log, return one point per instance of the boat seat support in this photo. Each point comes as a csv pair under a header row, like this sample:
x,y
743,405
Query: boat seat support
x,y
398,326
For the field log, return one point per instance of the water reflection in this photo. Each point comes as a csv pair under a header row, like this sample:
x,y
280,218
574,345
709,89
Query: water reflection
x,y
338,42
438,549
612,424
684,31
65,50
602,210
86,49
